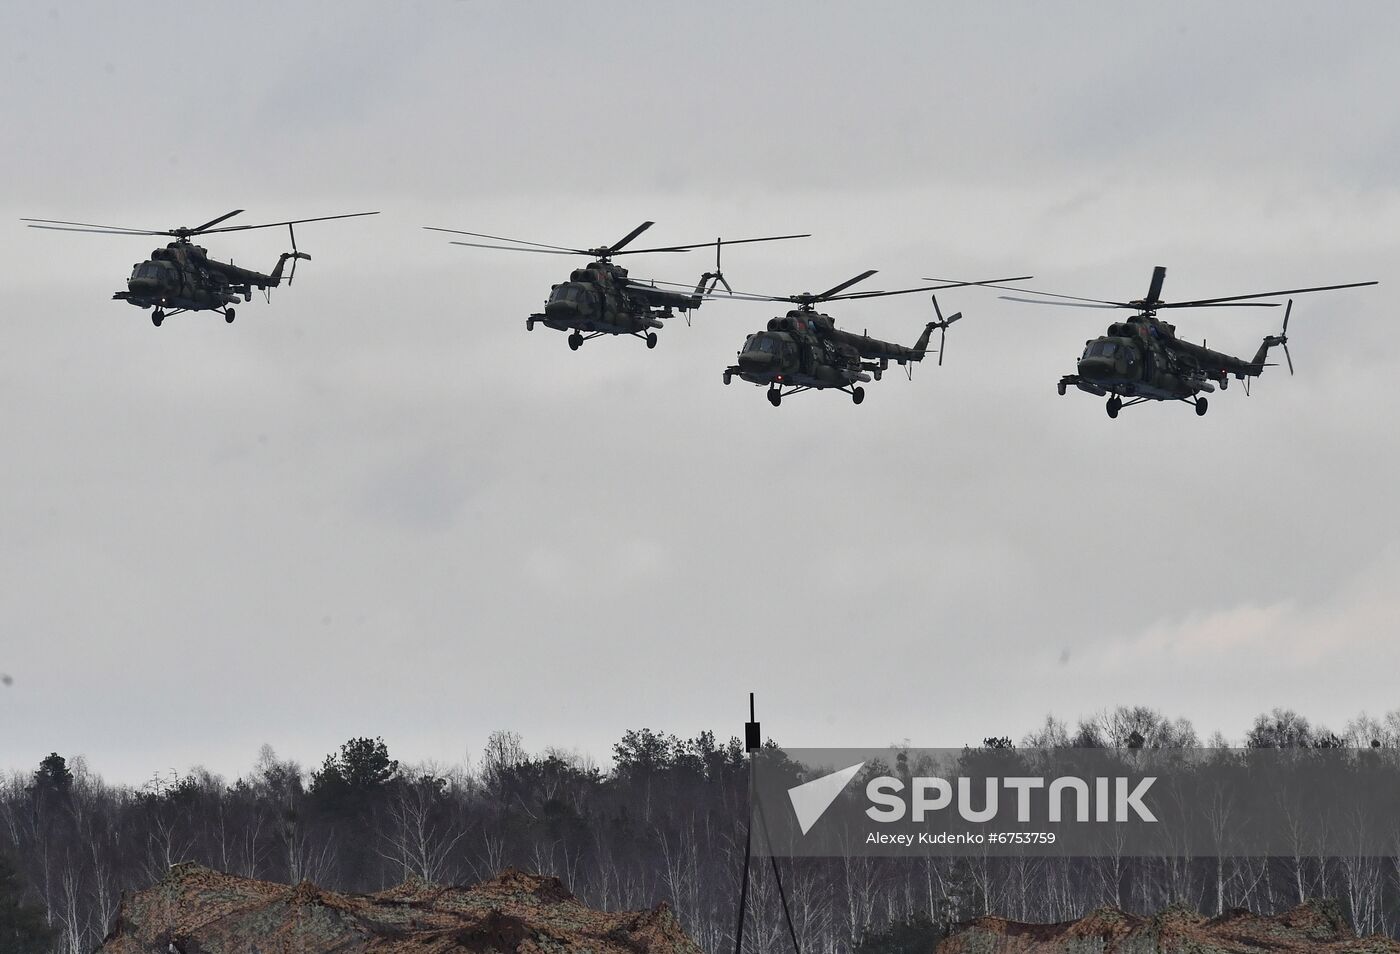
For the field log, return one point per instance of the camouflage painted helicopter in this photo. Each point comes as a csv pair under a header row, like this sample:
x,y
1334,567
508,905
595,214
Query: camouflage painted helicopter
x,y
181,277
804,350
600,298
1142,359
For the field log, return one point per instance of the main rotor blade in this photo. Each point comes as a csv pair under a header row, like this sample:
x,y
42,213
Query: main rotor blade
x,y
512,248
987,283
212,222
733,295
827,296
830,292
745,296
1286,291
686,248
64,228
1219,304
922,288
688,288
114,229
273,225
1032,291
1062,304
501,238
713,294
935,287
649,282
630,236
879,294
1154,290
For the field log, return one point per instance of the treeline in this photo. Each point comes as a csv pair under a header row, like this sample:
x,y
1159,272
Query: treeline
x,y
667,822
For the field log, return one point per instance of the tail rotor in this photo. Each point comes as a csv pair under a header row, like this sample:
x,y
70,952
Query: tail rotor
x,y
942,325
1261,357
1279,339
711,280
295,255
1283,335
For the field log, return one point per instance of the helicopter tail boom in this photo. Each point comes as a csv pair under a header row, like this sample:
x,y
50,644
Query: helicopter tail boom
x,y
921,346
1259,361
275,278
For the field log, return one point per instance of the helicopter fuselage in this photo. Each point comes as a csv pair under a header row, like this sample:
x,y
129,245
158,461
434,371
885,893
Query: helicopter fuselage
x,y
181,276
804,349
601,299
1143,358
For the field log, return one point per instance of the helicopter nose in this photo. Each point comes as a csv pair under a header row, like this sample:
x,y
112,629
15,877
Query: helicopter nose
x,y
561,310
1096,368
143,285
755,360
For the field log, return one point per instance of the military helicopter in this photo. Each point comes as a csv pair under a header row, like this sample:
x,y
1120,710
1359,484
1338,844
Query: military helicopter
x,y
804,350
181,277
600,299
1142,359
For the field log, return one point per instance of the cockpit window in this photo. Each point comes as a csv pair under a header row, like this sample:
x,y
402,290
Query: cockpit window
x,y
567,292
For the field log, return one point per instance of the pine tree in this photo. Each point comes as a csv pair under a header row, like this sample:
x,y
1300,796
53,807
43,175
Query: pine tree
x,y
54,774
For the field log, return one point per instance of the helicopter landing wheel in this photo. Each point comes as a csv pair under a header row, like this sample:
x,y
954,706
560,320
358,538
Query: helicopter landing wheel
x,y
651,339
1113,407
857,394
157,317
1202,405
228,315
775,397
575,341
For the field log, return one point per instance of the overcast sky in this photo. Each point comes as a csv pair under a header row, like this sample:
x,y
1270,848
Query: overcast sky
x,y
378,506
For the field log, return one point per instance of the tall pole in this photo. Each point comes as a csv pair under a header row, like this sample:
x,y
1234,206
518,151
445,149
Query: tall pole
x,y
752,744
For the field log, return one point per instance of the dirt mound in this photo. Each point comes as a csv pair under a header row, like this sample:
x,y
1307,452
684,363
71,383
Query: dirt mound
x,y
1316,926
206,912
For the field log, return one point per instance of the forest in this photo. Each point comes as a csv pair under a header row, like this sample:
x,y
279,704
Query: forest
x,y
665,822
